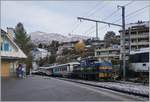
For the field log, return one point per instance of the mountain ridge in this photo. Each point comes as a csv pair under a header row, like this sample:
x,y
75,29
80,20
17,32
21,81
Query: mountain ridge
x,y
43,37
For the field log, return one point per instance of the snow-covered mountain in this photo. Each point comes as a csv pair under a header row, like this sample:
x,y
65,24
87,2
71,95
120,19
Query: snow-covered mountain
x,y
77,37
42,37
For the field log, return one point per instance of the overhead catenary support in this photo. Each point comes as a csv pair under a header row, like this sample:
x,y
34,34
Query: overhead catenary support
x,y
82,18
123,53
97,21
96,30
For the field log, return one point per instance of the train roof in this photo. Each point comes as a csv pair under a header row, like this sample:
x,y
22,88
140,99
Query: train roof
x,y
50,67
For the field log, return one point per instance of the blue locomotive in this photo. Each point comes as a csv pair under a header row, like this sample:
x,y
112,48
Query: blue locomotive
x,y
92,69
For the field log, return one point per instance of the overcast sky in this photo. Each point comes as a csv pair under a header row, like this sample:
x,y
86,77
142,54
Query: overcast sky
x,y
61,16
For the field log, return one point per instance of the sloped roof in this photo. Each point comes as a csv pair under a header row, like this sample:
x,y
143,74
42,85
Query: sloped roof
x,y
18,53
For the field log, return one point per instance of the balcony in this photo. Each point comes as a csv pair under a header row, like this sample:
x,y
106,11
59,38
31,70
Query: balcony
x,y
108,55
143,43
140,43
143,35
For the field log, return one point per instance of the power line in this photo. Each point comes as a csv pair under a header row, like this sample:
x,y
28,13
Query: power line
x,y
78,24
137,10
87,13
96,10
103,19
132,13
91,32
110,16
89,29
129,3
135,15
117,11
93,13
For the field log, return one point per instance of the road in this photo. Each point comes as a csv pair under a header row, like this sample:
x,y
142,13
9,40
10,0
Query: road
x,y
38,88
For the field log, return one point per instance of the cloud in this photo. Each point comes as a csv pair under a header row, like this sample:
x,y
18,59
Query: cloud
x,y
60,17
35,17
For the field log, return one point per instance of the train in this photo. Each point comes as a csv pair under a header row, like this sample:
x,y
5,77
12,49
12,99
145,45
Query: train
x,y
139,64
88,69
92,69
139,60
61,70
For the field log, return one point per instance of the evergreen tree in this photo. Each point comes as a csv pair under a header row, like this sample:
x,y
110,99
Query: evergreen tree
x,y
52,59
22,39
24,42
40,45
109,38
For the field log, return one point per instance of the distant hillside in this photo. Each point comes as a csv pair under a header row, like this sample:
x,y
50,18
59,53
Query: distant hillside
x,y
42,37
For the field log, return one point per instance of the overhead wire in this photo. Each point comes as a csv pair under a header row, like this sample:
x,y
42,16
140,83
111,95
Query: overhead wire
x,y
132,13
78,24
114,13
137,10
119,18
92,13
129,3
91,10
89,14
89,29
110,15
103,19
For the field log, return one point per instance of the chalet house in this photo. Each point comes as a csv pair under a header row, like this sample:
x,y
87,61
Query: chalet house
x,y
10,55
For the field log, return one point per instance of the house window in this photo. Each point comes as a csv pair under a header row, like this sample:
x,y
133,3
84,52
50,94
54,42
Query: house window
x,y
6,47
1,46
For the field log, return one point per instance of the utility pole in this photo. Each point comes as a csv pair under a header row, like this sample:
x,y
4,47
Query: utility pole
x,y
123,52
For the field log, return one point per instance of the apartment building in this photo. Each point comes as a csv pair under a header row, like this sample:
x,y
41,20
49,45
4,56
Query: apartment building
x,y
136,35
109,54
